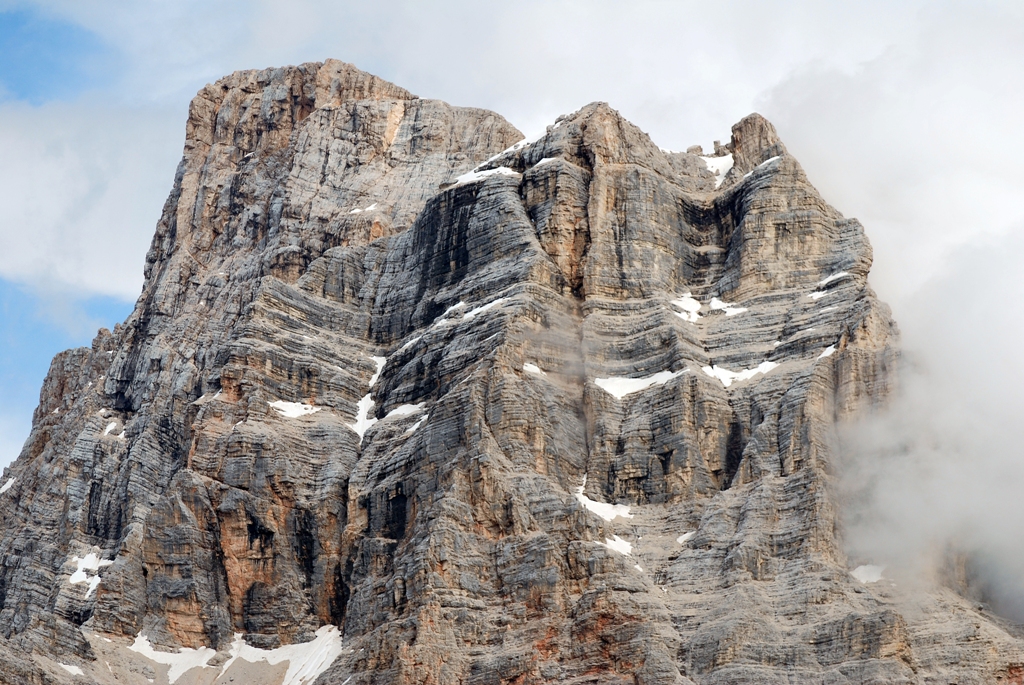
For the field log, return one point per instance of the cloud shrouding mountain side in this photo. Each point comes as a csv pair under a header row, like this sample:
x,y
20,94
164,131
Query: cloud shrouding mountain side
x,y
943,468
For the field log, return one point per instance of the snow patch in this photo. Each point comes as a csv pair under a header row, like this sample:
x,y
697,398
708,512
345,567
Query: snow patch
x,y
829,351
412,429
719,166
638,568
409,344
458,305
729,377
602,509
483,308
764,163
443,319
690,307
474,176
73,670
6,486
817,295
380,362
533,368
90,562
405,410
293,410
546,160
682,539
619,387
729,308
182,661
868,573
617,544
306,660
833,277
363,420
110,426
512,148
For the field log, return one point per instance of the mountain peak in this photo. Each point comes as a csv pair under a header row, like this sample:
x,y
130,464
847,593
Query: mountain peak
x,y
407,398
754,141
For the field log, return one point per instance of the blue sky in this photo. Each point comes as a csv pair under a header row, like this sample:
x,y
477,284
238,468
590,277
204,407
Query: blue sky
x,y
903,114
34,330
43,58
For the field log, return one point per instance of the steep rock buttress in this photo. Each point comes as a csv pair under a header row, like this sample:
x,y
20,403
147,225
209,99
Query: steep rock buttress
x,y
450,407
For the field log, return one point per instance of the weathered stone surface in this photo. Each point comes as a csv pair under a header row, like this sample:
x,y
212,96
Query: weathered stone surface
x,y
320,264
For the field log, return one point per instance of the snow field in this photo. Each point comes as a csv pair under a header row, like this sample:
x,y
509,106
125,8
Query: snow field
x,y
619,386
474,176
719,166
868,573
690,308
366,404
182,661
602,509
90,562
729,308
306,660
729,377
293,410
617,544
405,410
833,277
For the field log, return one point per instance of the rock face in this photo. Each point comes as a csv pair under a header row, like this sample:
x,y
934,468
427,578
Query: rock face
x,y
405,400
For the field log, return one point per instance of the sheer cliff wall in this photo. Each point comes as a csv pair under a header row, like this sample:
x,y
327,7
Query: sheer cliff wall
x,y
500,411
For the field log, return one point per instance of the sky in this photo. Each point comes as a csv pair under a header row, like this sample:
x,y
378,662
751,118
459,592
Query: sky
x,y
904,114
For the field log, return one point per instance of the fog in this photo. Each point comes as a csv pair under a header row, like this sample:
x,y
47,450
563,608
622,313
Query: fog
x,y
942,469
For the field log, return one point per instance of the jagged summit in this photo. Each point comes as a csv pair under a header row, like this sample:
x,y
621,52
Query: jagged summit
x,y
406,398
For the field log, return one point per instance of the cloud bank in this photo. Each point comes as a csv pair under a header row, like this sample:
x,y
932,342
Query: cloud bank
x,y
943,468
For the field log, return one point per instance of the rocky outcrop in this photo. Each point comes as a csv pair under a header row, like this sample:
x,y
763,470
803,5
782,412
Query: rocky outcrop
x,y
406,400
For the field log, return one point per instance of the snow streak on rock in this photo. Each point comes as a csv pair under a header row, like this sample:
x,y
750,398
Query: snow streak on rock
x,y
619,386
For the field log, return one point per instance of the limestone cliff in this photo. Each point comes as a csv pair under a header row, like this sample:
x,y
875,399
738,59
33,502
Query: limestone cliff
x,y
407,399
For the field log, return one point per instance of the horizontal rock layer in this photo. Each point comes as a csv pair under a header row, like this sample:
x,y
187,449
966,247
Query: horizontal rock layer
x,y
499,411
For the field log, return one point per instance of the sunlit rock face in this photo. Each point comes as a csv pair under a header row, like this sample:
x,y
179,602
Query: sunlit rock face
x,y
408,399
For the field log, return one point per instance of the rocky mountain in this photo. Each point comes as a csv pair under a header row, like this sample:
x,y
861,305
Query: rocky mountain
x,y
409,399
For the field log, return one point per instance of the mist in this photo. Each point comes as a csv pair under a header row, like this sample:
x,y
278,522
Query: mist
x,y
941,470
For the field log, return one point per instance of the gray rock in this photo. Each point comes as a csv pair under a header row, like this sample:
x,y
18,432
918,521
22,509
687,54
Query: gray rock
x,y
237,454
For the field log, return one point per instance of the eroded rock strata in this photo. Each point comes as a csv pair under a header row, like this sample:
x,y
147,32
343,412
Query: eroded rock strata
x,y
407,399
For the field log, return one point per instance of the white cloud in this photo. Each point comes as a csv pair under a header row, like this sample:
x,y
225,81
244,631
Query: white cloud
x,y
899,111
920,143
82,185
944,465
